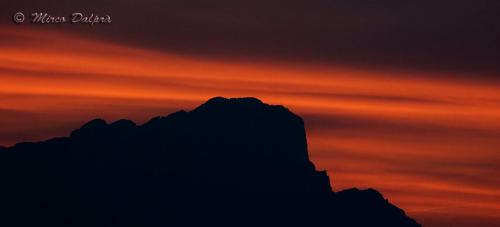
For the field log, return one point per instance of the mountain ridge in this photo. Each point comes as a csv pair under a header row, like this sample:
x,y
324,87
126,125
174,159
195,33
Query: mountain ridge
x,y
239,157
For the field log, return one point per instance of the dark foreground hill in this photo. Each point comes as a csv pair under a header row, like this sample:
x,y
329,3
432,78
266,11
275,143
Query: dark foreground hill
x,y
229,162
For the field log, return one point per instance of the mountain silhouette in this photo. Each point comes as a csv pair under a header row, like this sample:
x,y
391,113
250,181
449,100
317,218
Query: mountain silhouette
x,y
229,162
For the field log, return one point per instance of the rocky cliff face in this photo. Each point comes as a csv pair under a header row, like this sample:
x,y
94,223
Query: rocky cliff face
x,y
229,162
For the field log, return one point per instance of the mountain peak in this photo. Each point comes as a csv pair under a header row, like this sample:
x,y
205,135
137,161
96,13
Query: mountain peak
x,y
221,103
229,162
238,101
93,127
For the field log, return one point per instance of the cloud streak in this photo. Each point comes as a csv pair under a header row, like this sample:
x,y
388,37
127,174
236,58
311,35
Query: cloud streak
x,y
443,35
430,144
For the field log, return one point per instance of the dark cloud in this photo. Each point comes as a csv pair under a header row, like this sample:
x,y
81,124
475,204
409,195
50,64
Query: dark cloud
x,y
442,35
430,219
407,129
451,171
373,97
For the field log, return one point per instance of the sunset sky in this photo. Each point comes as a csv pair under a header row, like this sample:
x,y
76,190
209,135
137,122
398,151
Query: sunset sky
x,y
404,98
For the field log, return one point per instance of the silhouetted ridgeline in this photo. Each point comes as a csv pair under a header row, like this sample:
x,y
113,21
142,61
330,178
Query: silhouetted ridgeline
x,y
229,162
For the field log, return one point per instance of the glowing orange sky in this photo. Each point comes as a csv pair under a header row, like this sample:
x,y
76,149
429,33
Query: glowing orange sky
x,y
432,146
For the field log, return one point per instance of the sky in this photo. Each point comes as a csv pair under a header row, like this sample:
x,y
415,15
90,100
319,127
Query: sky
x,y
401,97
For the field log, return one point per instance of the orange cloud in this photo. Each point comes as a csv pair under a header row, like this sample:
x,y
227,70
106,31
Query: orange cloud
x,y
430,145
